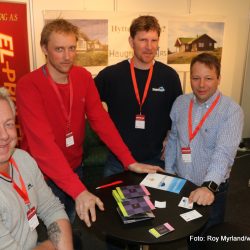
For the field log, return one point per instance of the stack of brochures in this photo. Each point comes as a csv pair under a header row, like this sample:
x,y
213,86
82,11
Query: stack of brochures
x,y
133,203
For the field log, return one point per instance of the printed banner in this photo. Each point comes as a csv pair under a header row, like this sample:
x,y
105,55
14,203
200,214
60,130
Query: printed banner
x,y
14,51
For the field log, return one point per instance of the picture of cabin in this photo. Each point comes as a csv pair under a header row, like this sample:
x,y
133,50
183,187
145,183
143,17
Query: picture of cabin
x,y
199,43
85,44
92,44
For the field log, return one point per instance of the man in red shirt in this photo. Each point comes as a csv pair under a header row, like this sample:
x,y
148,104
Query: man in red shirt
x,y
52,103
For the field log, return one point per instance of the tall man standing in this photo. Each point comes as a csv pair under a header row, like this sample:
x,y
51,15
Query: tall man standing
x,y
52,102
139,94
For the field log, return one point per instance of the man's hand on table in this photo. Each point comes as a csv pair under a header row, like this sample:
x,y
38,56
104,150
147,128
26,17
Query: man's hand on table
x,y
85,206
142,168
202,196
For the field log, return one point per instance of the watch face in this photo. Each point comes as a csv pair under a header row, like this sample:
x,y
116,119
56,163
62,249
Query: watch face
x,y
213,186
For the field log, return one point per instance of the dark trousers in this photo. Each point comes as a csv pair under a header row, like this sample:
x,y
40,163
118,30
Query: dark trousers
x,y
68,202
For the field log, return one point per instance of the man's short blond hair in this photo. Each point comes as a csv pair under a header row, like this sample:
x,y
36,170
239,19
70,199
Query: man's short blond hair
x,y
5,96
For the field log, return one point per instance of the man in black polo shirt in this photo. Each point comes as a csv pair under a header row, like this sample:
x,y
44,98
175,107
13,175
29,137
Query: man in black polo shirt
x,y
139,94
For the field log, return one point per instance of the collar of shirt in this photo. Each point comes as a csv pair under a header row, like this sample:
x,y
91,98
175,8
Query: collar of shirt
x,y
208,103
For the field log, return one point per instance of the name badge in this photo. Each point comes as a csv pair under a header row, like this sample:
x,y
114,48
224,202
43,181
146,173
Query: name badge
x,y
186,154
32,218
140,121
69,139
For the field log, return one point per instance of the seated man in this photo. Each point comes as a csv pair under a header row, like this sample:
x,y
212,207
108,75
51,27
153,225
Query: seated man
x,y
24,194
205,134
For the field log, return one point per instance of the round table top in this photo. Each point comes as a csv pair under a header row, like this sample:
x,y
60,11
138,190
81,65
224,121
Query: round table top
x,y
110,224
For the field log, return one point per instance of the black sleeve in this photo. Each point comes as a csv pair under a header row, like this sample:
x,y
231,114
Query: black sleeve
x,y
177,88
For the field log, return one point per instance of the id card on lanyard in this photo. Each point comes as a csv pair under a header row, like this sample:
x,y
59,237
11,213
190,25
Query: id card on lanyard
x,y
186,151
186,154
69,138
140,122
22,192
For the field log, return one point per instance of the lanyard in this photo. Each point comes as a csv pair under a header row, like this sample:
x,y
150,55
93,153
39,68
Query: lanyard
x,y
66,114
193,134
132,70
21,191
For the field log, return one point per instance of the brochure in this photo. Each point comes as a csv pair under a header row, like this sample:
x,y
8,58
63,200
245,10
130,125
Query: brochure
x,y
164,182
132,191
135,206
136,217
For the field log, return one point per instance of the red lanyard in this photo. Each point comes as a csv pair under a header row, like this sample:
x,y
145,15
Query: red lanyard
x,y
193,134
66,114
21,191
136,86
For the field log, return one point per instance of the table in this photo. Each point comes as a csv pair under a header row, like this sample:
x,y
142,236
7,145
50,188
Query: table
x,y
110,224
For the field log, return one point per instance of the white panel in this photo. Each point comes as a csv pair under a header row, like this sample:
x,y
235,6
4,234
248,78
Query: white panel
x,y
96,5
167,6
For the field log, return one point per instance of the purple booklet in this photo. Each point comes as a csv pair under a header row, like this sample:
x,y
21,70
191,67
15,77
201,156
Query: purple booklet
x,y
135,206
132,191
136,217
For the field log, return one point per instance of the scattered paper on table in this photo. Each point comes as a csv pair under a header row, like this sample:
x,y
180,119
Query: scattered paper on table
x,y
185,203
191,215
160,204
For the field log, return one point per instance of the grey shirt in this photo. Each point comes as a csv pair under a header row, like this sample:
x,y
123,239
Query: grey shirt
x,y
15,232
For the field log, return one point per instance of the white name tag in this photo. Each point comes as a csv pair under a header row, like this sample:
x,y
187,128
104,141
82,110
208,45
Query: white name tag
x,y
32,218
69,139
140,121
186,154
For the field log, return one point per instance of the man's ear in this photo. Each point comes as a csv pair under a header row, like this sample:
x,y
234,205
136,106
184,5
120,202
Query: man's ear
x,y
44,49
130,40
219,80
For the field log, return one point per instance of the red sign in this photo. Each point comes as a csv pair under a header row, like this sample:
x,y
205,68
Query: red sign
x,y
14,50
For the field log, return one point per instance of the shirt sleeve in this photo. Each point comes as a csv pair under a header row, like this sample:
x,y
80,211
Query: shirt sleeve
x,y
41,140
227,143
171,146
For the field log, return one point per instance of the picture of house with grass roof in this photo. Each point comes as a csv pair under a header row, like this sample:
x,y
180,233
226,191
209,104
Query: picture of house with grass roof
x,y
187,39
199,43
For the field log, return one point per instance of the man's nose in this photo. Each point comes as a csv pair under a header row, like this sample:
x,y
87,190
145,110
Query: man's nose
x,y
202,82
3,133
149,44
66,54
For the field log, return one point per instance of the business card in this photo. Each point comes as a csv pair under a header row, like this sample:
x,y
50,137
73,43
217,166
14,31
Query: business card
x,y
191,215
185,203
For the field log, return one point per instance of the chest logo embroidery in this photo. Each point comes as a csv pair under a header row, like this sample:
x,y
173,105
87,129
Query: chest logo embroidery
x,y
160,89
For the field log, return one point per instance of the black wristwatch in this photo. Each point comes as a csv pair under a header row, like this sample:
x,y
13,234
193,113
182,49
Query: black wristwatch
x,y
211,185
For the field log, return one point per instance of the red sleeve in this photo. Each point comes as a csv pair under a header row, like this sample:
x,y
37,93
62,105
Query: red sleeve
x,y
41,141
102,124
